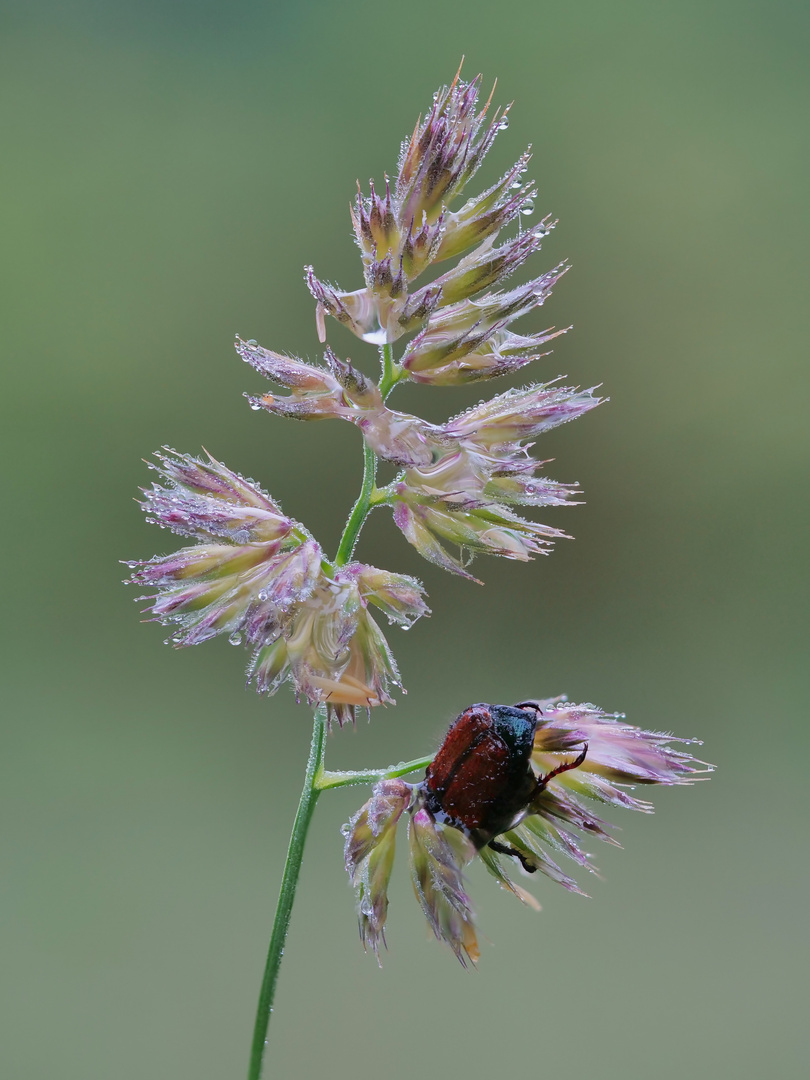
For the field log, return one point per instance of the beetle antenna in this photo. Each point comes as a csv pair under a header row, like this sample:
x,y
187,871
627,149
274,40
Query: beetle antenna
x,y
530,705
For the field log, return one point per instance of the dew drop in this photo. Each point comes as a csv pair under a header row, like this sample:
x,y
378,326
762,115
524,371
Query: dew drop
x,y
503,123
235,638
254,405
252,342
528,207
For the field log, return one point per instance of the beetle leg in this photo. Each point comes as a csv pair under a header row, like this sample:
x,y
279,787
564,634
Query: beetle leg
x,y
506,849
542,781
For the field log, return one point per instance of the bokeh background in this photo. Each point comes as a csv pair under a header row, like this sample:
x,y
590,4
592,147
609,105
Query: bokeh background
x,y
168,168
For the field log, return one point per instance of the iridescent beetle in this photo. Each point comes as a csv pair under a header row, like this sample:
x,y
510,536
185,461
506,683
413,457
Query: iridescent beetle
x,y
481,780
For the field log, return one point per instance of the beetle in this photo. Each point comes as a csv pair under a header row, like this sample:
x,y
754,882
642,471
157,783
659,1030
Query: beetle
x,y
481,780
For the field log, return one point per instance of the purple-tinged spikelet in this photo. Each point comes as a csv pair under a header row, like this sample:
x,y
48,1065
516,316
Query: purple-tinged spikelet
x,y
479,470
331,648
258,577
401,233
445,150
468,341
438,855
251,563
369,856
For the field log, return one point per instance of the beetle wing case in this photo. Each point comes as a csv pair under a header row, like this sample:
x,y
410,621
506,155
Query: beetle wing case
x,y
480,778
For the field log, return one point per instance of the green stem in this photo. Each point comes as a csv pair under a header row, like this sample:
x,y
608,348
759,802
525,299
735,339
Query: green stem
x,y
360,509
391,372
317,779
369,496
289,881
327,780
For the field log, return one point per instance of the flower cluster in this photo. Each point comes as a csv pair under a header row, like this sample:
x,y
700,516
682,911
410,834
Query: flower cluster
x,y
462,480
256,575
509,782
466,495
401,233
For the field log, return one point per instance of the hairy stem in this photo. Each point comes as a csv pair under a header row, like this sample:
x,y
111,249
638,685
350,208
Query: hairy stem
x,y
328,780
317,779
391,372
366,500
289,881
361,508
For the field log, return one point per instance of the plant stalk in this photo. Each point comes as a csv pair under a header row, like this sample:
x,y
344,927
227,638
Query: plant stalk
x,y
317,779
391,373
360,509
289,881
328,780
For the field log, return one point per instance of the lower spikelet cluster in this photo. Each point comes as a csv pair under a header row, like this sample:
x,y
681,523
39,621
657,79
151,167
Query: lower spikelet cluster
x,y
258,577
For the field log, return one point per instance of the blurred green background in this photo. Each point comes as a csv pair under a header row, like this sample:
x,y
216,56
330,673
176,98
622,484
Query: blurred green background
x,y
167,170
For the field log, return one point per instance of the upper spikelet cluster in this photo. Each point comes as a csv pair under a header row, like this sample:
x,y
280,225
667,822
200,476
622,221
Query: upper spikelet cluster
x,y
404,231
258,577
